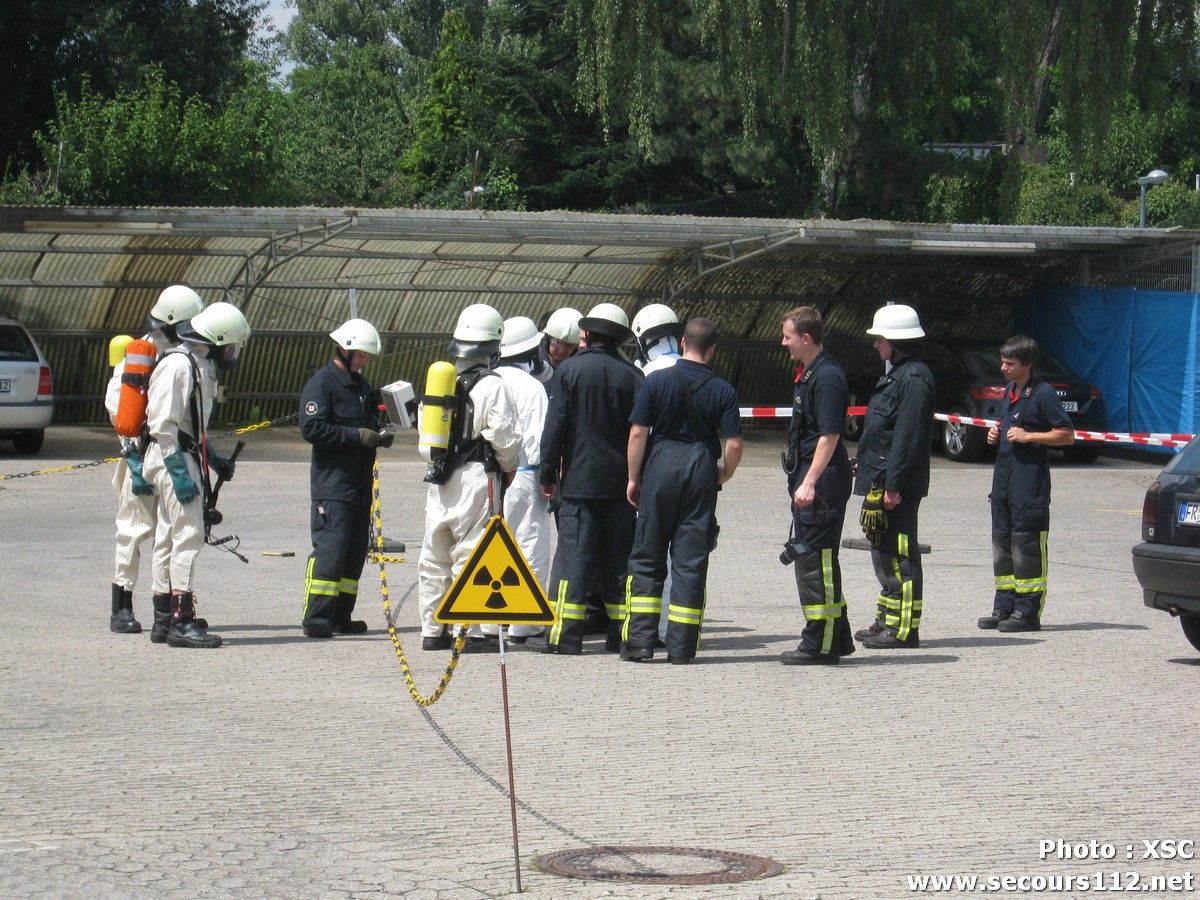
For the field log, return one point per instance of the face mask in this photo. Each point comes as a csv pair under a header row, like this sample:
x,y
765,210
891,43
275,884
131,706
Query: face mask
x,y
226,357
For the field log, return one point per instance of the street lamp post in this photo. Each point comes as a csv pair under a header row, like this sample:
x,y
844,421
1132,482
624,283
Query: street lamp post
x,y
1154,176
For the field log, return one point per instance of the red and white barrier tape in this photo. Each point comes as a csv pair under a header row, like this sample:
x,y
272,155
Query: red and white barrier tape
x,y
1146,439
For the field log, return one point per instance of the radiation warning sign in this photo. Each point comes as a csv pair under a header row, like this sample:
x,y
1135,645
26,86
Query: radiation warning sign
x,y
496,585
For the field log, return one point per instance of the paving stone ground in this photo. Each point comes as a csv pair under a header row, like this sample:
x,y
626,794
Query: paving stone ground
x,y
282,767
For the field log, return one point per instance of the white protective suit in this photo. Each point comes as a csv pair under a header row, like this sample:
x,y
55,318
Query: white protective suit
x,y
457,512
137,514
526,510
168,412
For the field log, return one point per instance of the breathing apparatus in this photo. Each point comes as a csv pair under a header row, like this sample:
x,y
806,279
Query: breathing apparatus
x,y
657,330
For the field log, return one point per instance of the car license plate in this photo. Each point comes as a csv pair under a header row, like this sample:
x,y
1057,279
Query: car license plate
x,y
1189,513
1070,405
5,386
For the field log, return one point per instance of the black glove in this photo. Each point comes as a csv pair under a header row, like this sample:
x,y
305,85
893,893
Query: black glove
x,y
873,517
386,438
369,438
219,464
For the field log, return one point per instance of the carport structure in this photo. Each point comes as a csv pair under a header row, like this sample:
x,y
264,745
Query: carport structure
x,y
76,276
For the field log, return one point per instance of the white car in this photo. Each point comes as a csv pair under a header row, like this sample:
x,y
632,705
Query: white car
x,y
26,388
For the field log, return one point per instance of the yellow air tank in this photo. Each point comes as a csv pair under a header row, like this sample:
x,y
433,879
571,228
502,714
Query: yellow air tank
x,y
116,349
437,411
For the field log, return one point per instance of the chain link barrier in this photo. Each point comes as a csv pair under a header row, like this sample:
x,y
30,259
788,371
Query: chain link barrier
x,y
109,460
460,638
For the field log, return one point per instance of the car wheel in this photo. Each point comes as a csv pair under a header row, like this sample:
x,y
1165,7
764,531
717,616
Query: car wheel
x,y
853,428
29,442
963,443
1191,629
1084,453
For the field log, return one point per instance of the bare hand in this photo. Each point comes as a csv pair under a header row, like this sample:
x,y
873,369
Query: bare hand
x,y
891,499
549,490
804,495
1018,435
633,493
993,436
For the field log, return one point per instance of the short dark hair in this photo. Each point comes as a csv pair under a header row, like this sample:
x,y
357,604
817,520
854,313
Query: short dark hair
x,y
700,334
806,320
1022,348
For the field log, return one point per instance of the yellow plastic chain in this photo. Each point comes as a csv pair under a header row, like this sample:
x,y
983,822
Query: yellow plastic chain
x,y
460,638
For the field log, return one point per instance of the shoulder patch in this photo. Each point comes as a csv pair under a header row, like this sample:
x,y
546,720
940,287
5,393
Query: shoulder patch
x,y
311,407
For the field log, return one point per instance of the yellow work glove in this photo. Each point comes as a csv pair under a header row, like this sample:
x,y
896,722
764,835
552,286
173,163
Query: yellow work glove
x,y
873,517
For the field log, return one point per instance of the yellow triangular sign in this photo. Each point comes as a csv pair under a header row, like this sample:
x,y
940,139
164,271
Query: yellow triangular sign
x,y
496,585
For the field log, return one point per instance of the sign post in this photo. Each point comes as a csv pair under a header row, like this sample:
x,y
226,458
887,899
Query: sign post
x,y
497,587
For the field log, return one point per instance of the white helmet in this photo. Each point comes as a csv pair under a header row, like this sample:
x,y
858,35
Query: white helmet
x,y
477,332
609,320
220,325
357,334
896,322
520,336
655,321
563,325
175,304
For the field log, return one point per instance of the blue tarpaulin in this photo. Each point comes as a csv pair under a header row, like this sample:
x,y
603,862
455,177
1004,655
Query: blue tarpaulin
x,y
1138,347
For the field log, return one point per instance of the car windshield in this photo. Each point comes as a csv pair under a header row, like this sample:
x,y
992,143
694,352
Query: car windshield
x,y
15,344
987,361
1187,461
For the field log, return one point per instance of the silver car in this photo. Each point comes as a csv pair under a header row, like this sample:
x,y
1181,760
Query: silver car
x,y
26,388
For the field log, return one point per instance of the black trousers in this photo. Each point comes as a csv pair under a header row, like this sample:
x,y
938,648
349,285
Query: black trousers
x,y
897,562
340,534
676,517
594,537
1020,529
818,532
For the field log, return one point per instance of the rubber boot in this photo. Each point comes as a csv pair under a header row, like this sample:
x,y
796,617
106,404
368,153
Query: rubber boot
x,y
122,621
185,631
162,619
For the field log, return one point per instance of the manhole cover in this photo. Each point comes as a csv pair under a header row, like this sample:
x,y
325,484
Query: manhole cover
x,y
658,865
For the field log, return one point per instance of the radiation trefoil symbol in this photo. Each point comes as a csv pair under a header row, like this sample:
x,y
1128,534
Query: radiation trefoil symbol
x,y
496,599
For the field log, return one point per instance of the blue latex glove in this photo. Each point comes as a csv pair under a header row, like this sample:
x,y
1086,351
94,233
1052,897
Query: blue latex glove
x,y
141,486
219,464
185,488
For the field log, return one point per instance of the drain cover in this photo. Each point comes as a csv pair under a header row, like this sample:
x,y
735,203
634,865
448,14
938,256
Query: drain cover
x,y
658,865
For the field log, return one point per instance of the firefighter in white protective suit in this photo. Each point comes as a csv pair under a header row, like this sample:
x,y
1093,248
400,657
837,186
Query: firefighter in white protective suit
x,y
179,459
466,483
526,510
657,330
137,507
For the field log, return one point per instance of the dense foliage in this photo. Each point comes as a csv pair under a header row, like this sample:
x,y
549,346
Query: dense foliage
x,y
737,107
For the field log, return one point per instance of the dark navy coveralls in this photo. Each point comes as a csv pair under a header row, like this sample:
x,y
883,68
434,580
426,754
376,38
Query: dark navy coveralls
x,y
819,408
334,404
677,507
894,453
586,439
1020,499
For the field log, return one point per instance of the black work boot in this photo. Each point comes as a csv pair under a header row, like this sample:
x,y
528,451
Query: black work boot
x,y
803,657
612,639
889,641
122,621
637,654
345,609
162,619
988,623
1020,621
873,630
185,631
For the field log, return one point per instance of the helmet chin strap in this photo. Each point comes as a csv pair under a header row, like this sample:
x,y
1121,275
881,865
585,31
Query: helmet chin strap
x,y
344,357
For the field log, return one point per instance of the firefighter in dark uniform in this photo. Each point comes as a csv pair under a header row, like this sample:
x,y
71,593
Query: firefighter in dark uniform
x,y
893,458
1033,419
584,463
819,481
339,416
683,412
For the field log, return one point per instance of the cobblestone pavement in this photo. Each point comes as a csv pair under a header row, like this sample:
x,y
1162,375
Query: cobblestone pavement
x,y
282,767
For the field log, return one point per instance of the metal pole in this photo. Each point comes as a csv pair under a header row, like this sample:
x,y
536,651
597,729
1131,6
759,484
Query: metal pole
x,y
354,303
512,791
1142,206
